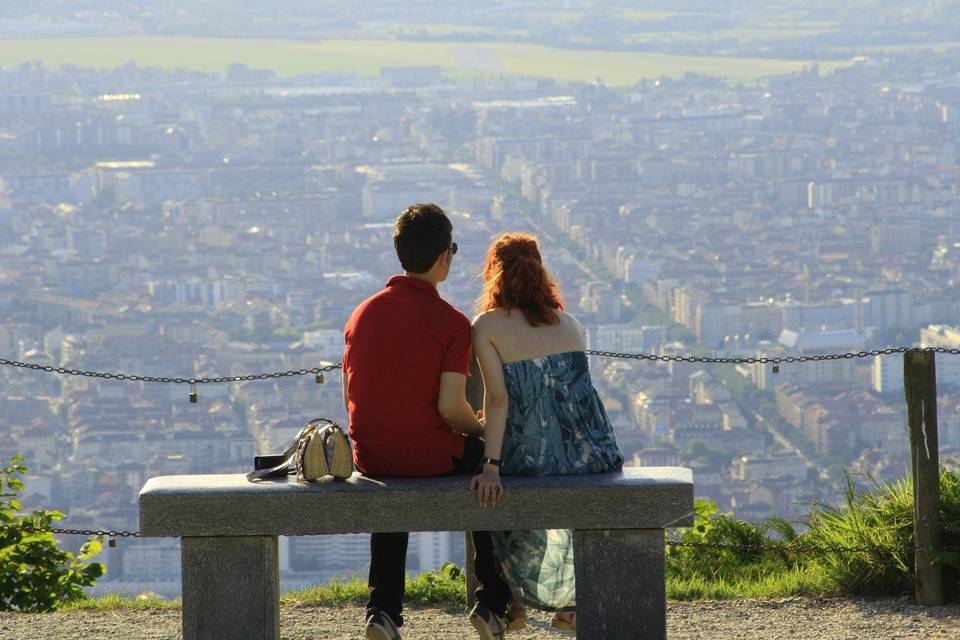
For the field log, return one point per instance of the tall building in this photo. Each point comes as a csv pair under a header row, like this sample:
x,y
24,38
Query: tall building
x,y
948,366
886,374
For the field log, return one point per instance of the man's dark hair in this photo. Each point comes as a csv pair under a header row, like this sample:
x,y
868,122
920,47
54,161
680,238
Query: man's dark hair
x,y
420,235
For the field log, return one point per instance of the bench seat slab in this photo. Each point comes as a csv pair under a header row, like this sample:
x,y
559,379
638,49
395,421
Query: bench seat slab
x,y
231,588
229,505
621,584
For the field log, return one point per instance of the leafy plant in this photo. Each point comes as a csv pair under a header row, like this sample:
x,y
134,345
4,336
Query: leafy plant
x,y
444,586
35,573
750,561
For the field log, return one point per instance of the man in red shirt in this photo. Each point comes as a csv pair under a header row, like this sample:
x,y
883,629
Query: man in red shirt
x,y
405,368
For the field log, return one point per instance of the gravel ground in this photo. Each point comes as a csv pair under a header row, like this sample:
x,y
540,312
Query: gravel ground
x,y
784,619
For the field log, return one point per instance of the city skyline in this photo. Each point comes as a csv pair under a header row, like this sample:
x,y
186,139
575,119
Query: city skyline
x,y
179,222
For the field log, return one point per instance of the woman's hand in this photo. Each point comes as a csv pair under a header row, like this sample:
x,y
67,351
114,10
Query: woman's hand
x,y
486,485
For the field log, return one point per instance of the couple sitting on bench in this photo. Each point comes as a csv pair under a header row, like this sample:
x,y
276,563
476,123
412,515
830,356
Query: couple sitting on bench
x,y
405,367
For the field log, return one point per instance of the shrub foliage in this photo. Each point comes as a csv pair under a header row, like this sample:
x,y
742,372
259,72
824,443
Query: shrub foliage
x,y
35,573
861,547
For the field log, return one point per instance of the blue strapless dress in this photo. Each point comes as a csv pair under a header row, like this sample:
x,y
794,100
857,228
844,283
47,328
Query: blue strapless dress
x,y
556,425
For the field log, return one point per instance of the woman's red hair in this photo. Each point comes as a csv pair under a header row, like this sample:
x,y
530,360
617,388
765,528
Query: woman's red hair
x,y
514,278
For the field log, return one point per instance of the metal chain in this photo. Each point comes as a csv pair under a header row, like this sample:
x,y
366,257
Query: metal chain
x,y
316,371
191,381
774,360
106,533
783,548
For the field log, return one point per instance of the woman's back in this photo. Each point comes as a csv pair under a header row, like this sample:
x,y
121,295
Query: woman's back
x,y
514,338
556,423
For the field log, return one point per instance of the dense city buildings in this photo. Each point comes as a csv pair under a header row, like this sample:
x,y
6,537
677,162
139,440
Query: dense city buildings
x,y
192,224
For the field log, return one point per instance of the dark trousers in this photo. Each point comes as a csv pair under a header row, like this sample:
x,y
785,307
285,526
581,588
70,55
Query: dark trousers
x,y
388,558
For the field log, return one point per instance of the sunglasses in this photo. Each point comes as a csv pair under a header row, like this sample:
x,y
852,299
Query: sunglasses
x,y
453,248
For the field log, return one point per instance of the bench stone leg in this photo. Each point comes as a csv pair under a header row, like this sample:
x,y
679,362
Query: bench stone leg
x,y
621,584
231,588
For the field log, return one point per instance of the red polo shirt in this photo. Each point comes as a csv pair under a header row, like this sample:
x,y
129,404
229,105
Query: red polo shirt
x,y
398,342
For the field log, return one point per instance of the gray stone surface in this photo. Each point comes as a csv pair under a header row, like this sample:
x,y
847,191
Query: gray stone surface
x,y
229,505
621,587
231,588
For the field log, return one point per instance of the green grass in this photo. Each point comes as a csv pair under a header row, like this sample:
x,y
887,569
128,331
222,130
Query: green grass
x,y
114,601
368,57
335,593
780,584
622,68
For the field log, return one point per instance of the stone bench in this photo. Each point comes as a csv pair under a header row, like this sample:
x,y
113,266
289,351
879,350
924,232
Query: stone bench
x,y
229,530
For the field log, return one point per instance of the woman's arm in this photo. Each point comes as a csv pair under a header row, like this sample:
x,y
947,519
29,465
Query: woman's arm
x,y
495,405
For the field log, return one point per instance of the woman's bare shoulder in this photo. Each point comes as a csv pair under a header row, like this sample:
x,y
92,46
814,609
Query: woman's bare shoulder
x,y
492,314
488,319
573,329
566,318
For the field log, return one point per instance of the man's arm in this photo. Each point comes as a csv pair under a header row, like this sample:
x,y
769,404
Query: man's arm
x,y
453,406
346,403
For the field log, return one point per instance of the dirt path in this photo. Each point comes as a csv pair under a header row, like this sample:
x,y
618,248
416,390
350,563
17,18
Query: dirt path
x,y
775,619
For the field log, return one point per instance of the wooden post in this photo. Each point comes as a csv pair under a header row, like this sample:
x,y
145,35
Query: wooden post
x,y
920,387
475,398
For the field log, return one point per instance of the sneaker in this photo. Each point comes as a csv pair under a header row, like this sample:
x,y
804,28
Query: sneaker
x,y
380,626
489,625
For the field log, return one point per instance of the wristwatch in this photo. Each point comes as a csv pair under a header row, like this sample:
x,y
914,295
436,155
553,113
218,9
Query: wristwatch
x,y
494,461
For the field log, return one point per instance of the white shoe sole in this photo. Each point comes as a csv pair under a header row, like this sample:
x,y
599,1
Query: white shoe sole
x,y
482,628
374,633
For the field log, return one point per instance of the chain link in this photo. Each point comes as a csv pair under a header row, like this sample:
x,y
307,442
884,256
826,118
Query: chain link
x,y
165,380
798,549
105,533
775,360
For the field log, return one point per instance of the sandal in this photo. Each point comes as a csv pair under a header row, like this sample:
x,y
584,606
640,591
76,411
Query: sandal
x,y
564,624
516,616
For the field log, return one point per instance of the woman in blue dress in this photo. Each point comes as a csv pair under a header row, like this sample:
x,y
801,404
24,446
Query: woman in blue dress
x,y
543,417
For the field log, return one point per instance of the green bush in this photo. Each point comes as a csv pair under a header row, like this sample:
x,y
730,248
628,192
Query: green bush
x,y
705,565
35,573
